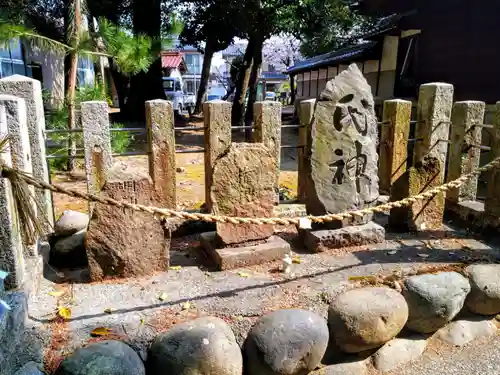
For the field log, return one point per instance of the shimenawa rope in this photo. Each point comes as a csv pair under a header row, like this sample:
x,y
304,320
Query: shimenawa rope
x,y
8,172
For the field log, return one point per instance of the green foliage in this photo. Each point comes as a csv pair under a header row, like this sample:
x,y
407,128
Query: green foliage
x,y
132,54
120,141
327,25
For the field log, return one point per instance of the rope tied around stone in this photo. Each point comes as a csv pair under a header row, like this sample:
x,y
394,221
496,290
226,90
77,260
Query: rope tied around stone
x,y
16,176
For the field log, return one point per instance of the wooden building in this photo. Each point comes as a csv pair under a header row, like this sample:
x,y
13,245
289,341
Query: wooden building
x,y
418,41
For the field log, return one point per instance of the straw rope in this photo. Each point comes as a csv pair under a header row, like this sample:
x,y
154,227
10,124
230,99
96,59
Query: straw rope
x,y
8,172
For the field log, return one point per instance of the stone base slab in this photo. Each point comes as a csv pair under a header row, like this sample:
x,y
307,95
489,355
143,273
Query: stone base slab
x,y
472,215
358,235
273,248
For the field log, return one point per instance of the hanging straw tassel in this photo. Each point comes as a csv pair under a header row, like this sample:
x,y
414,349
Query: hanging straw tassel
x,y
28,222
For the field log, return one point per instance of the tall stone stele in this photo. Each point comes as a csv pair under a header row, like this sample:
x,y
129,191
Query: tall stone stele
x,y
342,161
342,147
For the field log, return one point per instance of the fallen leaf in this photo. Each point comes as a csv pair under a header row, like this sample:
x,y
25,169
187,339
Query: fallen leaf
x,y
392,252
142,321
296,260
243,274
100,331
64,312
57,293
163,296
175,268
109,310
186,305
238,318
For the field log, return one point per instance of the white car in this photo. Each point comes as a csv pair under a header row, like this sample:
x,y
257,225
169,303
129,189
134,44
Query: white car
x,y
181,101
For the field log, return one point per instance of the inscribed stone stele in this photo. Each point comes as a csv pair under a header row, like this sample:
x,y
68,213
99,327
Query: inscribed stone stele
x,y
342,147
244,184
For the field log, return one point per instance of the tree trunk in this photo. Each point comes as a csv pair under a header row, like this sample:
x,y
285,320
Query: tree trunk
x,y
205,74
121,83
252,87
292,89
70,96
146,86
238,109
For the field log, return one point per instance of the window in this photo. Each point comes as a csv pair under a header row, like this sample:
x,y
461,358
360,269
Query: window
x,y
11,59
168,85
193,62
190,86
85,71
406,83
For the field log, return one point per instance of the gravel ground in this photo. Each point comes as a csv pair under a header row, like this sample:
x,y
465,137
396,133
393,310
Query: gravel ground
x,y
136,310
479,357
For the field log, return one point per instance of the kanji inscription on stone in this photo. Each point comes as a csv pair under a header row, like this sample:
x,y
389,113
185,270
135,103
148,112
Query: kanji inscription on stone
x,y
342,147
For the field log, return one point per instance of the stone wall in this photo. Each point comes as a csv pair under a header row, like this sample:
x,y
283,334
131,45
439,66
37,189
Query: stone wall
x,y
385,324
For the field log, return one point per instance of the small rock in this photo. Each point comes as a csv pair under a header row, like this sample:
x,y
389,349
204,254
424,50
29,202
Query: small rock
x,y
434,299
115,357
398,352
363,319
202,346
286,342
349,368
484,297
69,252
71,222
30,368
71,243
462,332
180,170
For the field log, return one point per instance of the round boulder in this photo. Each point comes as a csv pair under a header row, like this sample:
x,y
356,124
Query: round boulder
x,y
69,251
286,342
71,222
484,297
102,358
204,346
366,318
434,299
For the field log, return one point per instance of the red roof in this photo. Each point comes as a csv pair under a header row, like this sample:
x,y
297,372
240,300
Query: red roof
x,y
173,60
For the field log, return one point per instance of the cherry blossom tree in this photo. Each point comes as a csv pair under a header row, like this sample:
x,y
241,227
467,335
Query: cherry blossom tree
x,y
283,51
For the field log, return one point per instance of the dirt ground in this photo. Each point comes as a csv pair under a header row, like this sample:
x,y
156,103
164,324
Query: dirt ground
x,y
190,181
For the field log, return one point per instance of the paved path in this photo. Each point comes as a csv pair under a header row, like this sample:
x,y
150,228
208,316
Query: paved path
x,y
481,357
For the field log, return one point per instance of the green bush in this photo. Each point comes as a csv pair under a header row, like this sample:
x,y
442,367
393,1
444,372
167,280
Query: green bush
x,y
120,141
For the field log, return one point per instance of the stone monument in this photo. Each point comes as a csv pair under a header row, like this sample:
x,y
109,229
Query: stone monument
x,y
244,184
342,162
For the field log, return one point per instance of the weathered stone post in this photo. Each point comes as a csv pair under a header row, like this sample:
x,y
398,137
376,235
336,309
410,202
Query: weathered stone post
x,y
31,91
11,248
465,148
492,201
435,101
97,143
267,119
217,119
13,117
432,130
394,142
306,114
161,143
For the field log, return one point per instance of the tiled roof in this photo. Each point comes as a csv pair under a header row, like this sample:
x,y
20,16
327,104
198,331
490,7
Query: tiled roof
x,y
172,60
234,50
332,57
